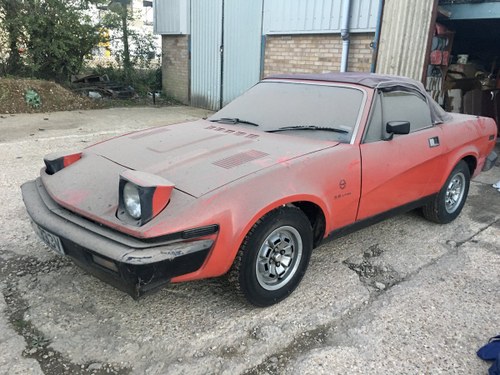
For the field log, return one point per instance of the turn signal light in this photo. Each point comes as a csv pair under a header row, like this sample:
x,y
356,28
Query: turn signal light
x,y
55,162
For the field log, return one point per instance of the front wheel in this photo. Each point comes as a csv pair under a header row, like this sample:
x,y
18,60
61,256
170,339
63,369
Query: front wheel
x,y
448,204
273,257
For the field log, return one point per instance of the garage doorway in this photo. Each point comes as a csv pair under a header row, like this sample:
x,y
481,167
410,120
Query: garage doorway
x,y
472,76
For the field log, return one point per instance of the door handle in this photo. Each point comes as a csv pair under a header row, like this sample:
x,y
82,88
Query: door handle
x,y
434,142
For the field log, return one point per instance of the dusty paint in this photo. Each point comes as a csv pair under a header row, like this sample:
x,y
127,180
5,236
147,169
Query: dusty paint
x,y
215,184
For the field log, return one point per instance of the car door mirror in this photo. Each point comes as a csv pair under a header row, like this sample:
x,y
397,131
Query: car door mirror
x,y
398,127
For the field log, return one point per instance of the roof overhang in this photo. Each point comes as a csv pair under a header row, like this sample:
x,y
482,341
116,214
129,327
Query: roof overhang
x,y
475,11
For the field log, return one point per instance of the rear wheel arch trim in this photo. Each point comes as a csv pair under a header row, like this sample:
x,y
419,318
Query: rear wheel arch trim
x,y
470,158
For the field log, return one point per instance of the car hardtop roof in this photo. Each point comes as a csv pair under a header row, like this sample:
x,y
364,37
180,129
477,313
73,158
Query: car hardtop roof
x,y
374,81
365,79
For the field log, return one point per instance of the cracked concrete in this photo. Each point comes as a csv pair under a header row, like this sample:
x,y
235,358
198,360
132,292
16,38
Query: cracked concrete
x,y
439,317
404,296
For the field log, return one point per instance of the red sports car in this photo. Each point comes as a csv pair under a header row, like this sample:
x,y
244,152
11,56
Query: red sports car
x,y
250,191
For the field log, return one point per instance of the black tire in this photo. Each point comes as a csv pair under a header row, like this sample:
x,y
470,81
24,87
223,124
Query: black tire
x,y
448,204
273,257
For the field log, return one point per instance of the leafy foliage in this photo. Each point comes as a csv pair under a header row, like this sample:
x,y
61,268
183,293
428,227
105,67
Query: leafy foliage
x,y
133,48
51,39
32,98
47,38
59,38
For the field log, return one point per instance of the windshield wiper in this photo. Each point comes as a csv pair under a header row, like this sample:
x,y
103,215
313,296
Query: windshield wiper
x,y
234,120
308,127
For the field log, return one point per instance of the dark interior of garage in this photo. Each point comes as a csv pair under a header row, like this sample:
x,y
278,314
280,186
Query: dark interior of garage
x,y
464,66
479,39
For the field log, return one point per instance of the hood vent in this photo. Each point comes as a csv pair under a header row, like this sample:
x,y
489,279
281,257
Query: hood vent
x,y
239,159
232,132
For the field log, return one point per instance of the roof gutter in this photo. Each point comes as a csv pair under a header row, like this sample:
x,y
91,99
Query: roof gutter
x,y
344,33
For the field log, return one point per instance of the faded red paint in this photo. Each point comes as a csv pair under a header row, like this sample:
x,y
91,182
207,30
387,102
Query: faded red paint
x,y
161,197
70,159
348,182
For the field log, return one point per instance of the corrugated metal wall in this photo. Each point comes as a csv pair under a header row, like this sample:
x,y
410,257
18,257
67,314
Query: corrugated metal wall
x,y
206,40
171,17
242,46
317,16
404,37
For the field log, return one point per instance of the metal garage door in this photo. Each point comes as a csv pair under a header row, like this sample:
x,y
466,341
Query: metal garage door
x,y
225,50
206,42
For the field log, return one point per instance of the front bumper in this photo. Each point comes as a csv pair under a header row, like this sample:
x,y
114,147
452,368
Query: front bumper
x,y
490,161
129,264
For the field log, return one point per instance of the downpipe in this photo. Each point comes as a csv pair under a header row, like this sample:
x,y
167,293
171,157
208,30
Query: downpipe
x,y
376,40
344,34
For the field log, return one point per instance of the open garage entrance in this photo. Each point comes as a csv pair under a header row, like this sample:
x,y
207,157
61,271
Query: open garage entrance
x,y
466,55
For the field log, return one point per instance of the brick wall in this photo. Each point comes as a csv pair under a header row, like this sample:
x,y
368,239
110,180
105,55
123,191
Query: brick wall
x,y
315,53
175,67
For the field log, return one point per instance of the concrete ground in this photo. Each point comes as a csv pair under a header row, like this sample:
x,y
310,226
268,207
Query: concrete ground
x,y
405,296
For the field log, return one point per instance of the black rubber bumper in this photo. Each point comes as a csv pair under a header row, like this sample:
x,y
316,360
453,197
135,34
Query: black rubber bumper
x,y
134,266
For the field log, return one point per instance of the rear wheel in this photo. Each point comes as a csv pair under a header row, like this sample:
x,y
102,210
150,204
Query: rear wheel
x,y
273,257
448,204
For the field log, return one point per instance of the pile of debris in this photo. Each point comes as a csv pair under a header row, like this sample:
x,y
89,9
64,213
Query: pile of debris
x,y
32,95
100,86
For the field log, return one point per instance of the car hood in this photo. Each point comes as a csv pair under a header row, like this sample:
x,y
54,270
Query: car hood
x,y
199,157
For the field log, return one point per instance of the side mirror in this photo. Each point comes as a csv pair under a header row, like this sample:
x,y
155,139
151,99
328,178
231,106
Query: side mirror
x,y
396,127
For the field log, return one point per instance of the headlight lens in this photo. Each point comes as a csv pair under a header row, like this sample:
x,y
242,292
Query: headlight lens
x,y
132,200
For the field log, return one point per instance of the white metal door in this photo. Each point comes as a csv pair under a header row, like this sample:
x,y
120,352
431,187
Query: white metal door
x,y
242,47
206,44
225,50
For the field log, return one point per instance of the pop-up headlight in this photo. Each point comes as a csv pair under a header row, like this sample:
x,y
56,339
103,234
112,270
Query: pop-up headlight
x,y
132,200
142,196
57,161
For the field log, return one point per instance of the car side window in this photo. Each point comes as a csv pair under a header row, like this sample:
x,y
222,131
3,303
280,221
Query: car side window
x,y
406,106
397,106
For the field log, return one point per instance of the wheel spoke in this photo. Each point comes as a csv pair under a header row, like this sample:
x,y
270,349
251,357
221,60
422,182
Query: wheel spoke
x,y
285,242
280,271
266,253
263,266
272,241
286,260
288,250
272,271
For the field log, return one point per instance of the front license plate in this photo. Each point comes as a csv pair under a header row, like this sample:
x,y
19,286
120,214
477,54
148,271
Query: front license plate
x,y
51,240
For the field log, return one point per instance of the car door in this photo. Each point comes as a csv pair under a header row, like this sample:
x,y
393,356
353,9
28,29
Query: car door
x,y
397,170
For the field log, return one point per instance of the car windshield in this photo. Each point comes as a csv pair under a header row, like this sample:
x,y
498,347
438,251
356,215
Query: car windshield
x,y
310,110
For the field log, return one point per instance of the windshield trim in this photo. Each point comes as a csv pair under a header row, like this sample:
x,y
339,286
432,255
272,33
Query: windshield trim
x,y
332,84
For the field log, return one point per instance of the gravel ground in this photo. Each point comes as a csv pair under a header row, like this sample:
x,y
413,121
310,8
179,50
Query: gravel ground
x,y
402,297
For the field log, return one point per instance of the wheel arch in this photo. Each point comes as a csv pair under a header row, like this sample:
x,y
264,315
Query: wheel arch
x,y
471,162
316,217
468,155
311,206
